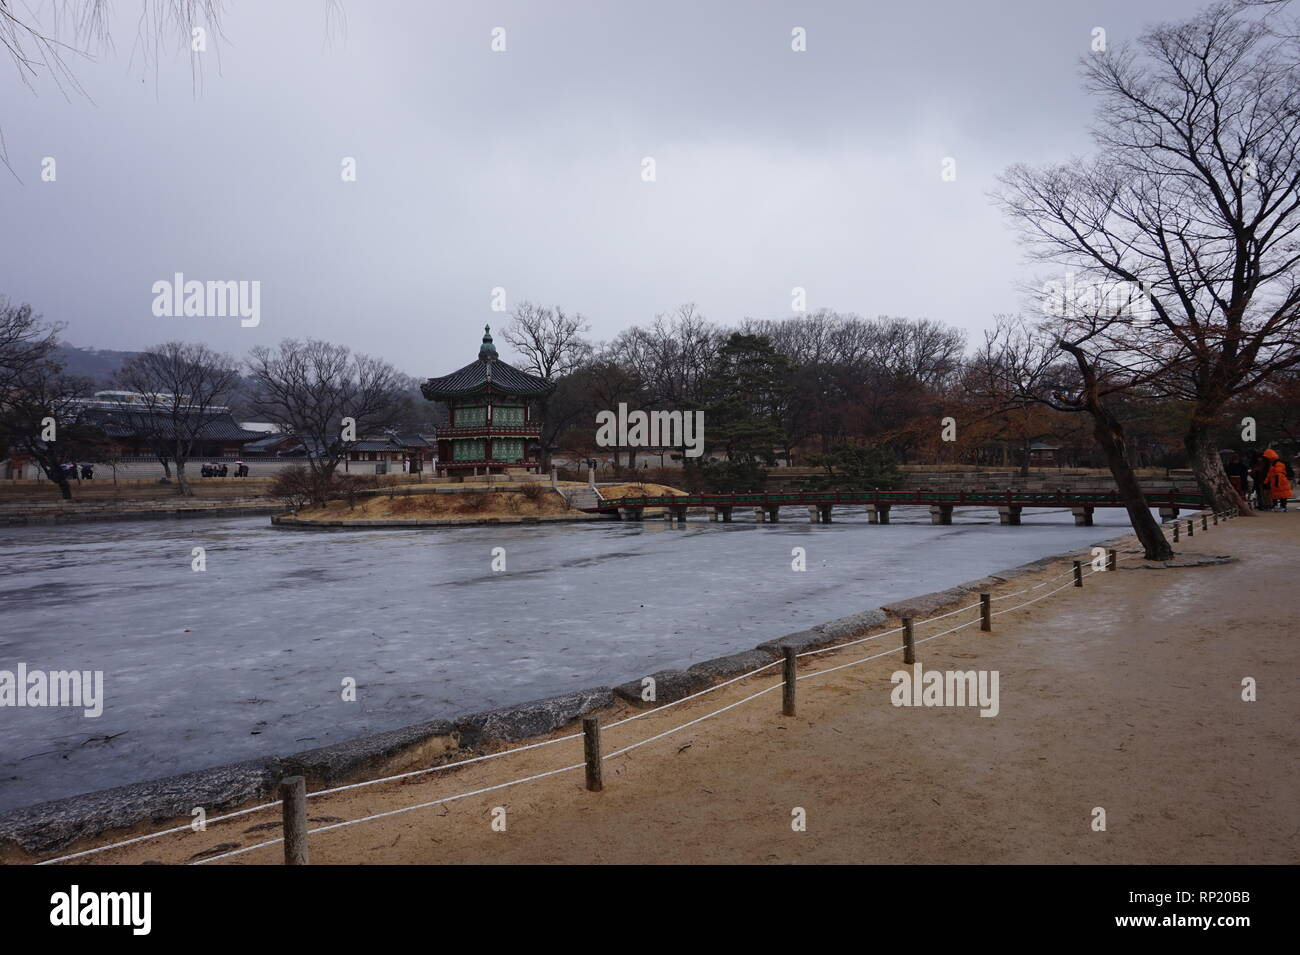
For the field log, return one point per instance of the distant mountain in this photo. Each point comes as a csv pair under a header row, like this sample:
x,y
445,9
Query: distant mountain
x,y
97,364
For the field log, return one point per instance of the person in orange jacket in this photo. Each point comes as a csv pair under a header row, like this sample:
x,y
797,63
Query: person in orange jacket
x,y
1279,486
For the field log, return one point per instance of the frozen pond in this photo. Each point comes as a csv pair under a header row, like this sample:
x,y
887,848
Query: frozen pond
x,y
248,657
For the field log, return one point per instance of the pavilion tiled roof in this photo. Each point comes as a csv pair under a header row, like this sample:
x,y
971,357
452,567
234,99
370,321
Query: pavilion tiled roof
x,y
489,373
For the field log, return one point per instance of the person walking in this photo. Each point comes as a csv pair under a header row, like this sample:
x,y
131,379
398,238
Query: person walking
x,y
1259,472
1237,474
1277,482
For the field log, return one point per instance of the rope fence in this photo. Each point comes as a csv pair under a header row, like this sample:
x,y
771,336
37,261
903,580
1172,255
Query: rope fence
x,y
293,795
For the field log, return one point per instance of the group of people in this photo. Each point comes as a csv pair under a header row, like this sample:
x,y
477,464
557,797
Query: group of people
x,y
222,470
70,470
1267,478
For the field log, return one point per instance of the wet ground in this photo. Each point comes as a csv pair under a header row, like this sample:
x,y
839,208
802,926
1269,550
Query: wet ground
x,y
248,658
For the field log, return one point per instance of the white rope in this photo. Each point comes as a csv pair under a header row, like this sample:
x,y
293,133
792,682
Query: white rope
x,y
660,709
155,835
700,719
318,792
395,812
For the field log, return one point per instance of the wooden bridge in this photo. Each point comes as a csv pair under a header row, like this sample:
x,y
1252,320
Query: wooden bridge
x,y
820,504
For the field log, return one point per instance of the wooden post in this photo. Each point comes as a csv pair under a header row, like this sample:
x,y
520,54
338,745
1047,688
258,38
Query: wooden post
x,y
1078,573
1216,518
1205,523
787,690
909,647
1191,528
1175,532
293,808
1112,558
986,612
591,750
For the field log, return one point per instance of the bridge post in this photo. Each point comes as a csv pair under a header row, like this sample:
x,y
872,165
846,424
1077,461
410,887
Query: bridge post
x,y
758,515
1009,514
878,513
814,516
773,513
632,513
726,514
940,513
713,514
1082,516
680,514
1169,513
825,510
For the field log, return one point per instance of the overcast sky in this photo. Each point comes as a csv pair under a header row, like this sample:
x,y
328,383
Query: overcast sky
x,y
523,169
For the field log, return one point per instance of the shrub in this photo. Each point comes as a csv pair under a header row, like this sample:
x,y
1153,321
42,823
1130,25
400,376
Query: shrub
x,y
296,486
349,487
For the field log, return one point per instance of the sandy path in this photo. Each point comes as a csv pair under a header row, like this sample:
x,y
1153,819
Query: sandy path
x,y
1125,695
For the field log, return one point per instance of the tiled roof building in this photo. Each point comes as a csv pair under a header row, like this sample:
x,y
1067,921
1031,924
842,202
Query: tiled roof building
x,y
492,406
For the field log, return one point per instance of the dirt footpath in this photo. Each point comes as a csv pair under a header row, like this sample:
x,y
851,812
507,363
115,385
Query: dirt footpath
x,y
1124,695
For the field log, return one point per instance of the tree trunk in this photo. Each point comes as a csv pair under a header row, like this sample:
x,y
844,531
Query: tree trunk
x,y
182,485
55,473
1207,465
1110,435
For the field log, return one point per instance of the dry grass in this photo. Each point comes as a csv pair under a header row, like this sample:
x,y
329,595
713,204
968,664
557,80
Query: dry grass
x,y
528,502
640,490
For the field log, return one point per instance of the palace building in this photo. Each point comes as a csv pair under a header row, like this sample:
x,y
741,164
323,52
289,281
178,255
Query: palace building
x,y
492,424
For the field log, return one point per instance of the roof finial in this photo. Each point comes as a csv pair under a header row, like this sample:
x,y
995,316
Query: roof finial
x,y
487,351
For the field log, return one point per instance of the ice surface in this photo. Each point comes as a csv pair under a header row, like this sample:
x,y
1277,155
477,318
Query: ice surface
x,y
247,659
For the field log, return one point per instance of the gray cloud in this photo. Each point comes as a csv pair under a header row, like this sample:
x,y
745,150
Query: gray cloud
x,y
522,169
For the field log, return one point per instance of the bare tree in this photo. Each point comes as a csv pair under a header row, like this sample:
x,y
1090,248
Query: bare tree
x,y
550,340
41,417
24,341
1022,365
1194,197
182,389
551,343
309,389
